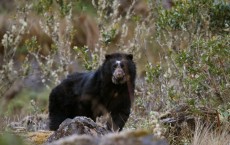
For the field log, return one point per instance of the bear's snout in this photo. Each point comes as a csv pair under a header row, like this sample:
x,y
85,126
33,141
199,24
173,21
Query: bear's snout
x,y
119,73
119,76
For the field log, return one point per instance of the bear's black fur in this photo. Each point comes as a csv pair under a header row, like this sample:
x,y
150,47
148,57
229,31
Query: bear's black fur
x,y
110,88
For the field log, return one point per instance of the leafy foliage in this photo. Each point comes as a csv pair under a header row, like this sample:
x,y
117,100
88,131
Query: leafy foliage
x,y
183,53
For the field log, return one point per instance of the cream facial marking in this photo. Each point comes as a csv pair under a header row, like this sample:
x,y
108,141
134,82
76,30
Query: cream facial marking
x,y
118,62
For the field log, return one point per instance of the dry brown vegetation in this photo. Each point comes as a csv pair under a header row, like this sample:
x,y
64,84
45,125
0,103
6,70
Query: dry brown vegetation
x,y
181,49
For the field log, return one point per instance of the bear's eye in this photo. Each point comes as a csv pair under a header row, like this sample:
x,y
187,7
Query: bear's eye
x,y
122,65
114,66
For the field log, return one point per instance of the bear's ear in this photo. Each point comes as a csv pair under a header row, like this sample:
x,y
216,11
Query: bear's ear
x,y
107,56
130,56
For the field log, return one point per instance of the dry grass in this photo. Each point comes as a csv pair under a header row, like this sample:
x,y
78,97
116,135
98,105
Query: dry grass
x,y
205,135
180,59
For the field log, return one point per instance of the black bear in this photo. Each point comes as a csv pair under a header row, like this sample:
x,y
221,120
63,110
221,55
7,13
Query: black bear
x,y
108,89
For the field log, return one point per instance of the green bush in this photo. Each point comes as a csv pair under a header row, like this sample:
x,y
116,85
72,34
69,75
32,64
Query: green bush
x,y
185,52
202,66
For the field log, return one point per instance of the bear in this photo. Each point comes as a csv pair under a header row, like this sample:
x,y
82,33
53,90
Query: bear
x,y
109,89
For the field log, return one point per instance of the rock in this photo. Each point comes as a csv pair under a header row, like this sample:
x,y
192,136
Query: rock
x,y
84,131
78,125
138,137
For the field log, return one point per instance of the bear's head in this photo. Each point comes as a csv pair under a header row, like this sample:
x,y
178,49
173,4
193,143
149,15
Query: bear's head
x,y
119,67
